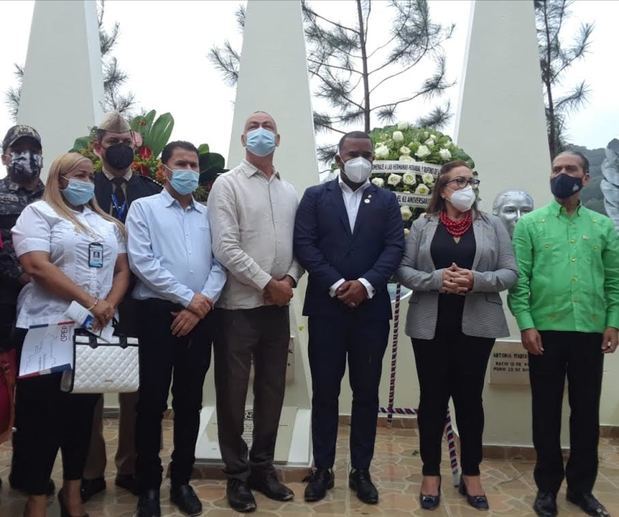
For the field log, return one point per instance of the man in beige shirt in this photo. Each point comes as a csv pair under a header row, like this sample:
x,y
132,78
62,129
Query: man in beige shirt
x,y
251,214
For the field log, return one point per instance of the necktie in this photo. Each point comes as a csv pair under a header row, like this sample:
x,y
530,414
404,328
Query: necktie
x,y
119,192
118,198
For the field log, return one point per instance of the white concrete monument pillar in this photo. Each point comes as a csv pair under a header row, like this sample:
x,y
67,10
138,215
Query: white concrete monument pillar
x,y
501,122
273,78
63,83
502,125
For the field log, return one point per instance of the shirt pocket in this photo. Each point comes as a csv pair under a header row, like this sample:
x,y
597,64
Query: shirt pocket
x,y
550,252
590,249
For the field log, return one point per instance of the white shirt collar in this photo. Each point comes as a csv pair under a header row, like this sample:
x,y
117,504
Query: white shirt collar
x,y
347,189
110,176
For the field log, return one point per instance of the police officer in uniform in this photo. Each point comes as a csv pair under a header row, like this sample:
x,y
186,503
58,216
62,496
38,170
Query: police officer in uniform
x,y
23,159
116,187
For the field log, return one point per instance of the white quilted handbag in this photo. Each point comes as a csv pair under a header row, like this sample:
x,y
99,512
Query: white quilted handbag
x,y
101,367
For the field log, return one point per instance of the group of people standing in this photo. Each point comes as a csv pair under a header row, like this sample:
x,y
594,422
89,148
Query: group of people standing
x,y
183,277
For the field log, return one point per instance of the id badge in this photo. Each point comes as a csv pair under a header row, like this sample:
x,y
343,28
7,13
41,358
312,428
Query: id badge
x,y
95,255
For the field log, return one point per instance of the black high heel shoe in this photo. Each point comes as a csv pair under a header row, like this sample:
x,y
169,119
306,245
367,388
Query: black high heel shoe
x,y
479,502
431,502
64,512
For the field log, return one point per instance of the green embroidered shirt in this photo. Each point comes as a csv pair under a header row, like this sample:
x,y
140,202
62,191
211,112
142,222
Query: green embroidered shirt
x,y
568,271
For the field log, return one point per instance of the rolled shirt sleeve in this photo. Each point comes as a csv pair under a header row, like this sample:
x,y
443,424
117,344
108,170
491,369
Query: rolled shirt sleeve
x,y
32,232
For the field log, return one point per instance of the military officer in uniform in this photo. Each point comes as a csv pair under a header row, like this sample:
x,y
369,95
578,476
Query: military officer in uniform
x,y
23,159
116,187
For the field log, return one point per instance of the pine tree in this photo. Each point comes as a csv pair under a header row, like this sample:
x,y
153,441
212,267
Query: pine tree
x,y
113,77
350,71
556,57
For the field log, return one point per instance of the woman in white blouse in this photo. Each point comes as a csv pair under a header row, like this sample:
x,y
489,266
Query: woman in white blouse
x,y
73,251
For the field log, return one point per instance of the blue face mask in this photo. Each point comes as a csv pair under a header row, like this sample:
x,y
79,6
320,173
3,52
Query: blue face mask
x,y
260,142
78,192
184,181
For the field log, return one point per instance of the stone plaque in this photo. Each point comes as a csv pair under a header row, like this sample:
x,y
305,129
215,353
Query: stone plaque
x,y
509,363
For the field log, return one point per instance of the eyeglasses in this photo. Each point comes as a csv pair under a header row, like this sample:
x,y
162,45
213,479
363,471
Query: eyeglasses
x,y
462,182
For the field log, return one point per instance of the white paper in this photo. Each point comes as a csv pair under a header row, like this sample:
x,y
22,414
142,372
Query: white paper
x,y
47,349
83,318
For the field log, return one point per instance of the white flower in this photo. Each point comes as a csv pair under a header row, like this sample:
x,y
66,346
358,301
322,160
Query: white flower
x,y
444,154
394,179
381,152
428,178
409,178
406,213
403,125
429,141
422,152
422,190
397,136
379,182
405,150
406,158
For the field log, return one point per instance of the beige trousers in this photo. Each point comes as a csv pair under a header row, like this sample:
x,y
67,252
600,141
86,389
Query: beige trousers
x,y
125,453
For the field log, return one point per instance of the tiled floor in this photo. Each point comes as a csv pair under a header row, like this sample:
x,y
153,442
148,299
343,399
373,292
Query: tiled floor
x,y
396,471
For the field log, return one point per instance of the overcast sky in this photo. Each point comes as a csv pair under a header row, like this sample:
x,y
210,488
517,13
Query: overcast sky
x,y
163,47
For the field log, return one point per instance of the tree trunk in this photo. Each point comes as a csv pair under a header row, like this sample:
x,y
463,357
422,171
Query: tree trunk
x,y
364,61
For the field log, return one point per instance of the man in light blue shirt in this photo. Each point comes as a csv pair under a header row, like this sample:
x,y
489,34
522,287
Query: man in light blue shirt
x,y
179,281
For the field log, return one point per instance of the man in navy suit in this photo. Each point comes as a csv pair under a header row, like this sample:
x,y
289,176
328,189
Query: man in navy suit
x,y
350,239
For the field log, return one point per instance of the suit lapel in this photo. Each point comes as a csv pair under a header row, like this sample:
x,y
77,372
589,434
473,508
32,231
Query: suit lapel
x,y
337,199
365,208
479,233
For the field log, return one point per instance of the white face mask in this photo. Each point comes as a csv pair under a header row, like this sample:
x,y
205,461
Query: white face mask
x,y
358,169
463,199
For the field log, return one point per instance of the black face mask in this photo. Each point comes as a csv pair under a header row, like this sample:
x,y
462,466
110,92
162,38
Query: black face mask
x,y
119,156
24,166
564,186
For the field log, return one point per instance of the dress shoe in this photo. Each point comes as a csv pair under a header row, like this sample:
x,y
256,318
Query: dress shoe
x,y
268,484
148,504
361,482
128,482
239,496
64,511
430,502
91,487
545,504
318,482
588,503
479,502
16,485
186,499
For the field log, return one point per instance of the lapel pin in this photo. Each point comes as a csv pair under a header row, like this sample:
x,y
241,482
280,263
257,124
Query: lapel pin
x,y
366,200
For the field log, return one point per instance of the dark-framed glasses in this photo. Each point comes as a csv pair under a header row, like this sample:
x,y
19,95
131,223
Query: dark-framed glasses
x,y
462,182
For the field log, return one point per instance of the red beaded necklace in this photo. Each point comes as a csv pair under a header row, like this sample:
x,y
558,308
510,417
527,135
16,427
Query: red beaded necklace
x,y
456,228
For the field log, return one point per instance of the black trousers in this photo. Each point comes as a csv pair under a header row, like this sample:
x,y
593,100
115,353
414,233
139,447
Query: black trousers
x,y
579,356
48,419
166,359
261,336
451,365
331,342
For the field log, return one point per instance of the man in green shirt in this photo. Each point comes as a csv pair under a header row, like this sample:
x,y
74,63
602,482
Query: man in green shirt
x,y
566,303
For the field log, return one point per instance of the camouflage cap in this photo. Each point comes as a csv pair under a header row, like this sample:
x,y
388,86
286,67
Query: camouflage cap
x,y
17,132
114,122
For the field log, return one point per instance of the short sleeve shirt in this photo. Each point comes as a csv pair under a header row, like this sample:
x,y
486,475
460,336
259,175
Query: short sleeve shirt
x,y
87,258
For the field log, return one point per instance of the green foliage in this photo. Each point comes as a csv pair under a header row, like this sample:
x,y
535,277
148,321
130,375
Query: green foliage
x,y
556,58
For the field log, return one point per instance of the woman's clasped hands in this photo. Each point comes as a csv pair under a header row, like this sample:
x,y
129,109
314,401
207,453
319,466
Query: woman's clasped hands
x,y
457,280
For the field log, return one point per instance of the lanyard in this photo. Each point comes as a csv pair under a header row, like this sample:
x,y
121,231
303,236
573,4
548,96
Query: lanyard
x,y
119,210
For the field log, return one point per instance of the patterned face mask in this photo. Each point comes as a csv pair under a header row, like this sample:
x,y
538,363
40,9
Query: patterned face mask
x,y
25,166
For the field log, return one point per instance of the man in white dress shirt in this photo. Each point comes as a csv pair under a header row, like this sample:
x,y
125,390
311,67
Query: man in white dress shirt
x,y
179,281
251,210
